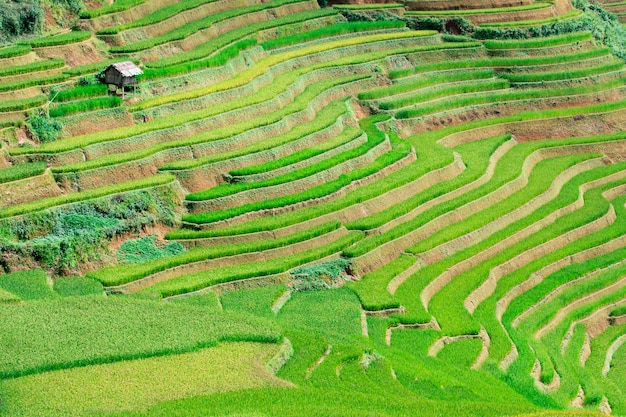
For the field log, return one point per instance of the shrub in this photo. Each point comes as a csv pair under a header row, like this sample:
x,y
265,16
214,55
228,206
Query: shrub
x,y
44,129
20,18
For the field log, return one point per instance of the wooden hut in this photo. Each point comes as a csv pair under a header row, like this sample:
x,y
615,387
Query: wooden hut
x,y
122,74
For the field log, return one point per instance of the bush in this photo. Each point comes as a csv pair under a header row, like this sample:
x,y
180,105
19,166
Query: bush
x,y
44,129
320,276
17,18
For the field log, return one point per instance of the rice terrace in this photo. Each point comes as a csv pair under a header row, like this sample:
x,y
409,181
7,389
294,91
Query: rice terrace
x,y
258,208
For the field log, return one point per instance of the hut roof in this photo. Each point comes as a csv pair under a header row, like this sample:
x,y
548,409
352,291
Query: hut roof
x,y
127,69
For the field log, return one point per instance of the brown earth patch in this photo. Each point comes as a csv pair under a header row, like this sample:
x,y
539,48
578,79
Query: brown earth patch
x,y
74,54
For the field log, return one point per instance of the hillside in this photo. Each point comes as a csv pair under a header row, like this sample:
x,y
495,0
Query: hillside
x,y
378,209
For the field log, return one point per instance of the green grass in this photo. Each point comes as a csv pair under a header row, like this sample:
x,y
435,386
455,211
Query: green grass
x,y
77,287
113,329
22,104
263,65
618,311
7,297
79,92
328,31
197,281
220,58
372,289
461,353
15,50
503,95
118,6
226,367
20,171
62,39
60,110
348,135
535,22
192,27
399,150
155,17
223,190
117,275
442,90
238,35
425,81
323,119
96,66
540,42
45,203
531,6
27,285
16,85
562,75
501,62
32,67
374,6
299,104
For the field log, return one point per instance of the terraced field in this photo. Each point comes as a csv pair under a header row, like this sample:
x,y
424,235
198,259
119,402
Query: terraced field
x,y
334,211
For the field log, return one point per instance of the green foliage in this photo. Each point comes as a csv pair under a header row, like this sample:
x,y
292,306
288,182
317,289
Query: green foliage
x,y
27,285
20,171
62,238
32,67
321,276
44,129
328,31
60,110
123,274
77,287
118,6
22,104
147,249
62,39
17,18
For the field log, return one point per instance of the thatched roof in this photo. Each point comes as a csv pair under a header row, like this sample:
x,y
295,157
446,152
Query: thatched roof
x,y
127,69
